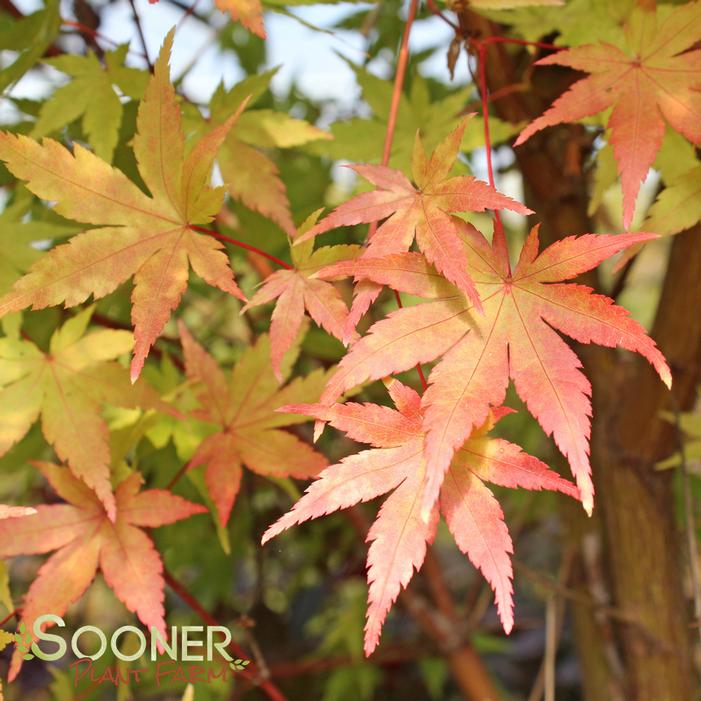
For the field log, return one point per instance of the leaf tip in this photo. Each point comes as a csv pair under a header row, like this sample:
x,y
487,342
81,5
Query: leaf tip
x,y
318,429
588,504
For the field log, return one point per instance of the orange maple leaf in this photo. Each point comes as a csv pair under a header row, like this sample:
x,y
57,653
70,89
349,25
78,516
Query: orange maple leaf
x,y
85,540
151,238
396,463
652,78
513,338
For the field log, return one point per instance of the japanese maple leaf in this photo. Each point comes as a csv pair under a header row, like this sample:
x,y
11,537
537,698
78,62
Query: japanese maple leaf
x,y
243,405
422,211
296,291
67,387
513,338
652,78
248,12
150,238
85,539
396,463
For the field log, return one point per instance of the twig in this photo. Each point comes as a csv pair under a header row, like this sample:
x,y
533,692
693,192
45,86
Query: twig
x,y
188,13
241,244
88,31
177,476
9,617
573,595
551,639
518,42
140,32
554,619
389,656
433,8
265,685
402,62
399,76
499,240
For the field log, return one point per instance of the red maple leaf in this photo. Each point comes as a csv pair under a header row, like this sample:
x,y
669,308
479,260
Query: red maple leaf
x,y
85,540
652,78
514,338
396,463
296,290
422,212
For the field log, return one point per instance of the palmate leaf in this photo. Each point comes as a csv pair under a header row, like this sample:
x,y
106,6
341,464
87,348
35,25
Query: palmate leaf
x,y
86,539
396,464
421,212
90,95
296,291
678,206
653,78
243,405
248,12
148,237
512,339
67,388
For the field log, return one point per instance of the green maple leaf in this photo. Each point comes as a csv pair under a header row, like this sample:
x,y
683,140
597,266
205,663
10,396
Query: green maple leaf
x,y
361,140
91,95
20,240
30,37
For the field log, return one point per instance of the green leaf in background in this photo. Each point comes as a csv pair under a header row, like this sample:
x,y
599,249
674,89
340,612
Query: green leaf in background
x,y
90,94
690,425
30,36
679,205
17,236
361,140
577,22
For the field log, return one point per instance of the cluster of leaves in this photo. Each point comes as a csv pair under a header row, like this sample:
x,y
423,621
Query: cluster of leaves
x,y
481,322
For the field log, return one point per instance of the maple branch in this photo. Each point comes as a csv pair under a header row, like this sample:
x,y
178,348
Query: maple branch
x,y
188,13
497,39
402,62
9,617
434,9
241,244
189,10
177,476
9,7
85,31
499,240
140,32
207,618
